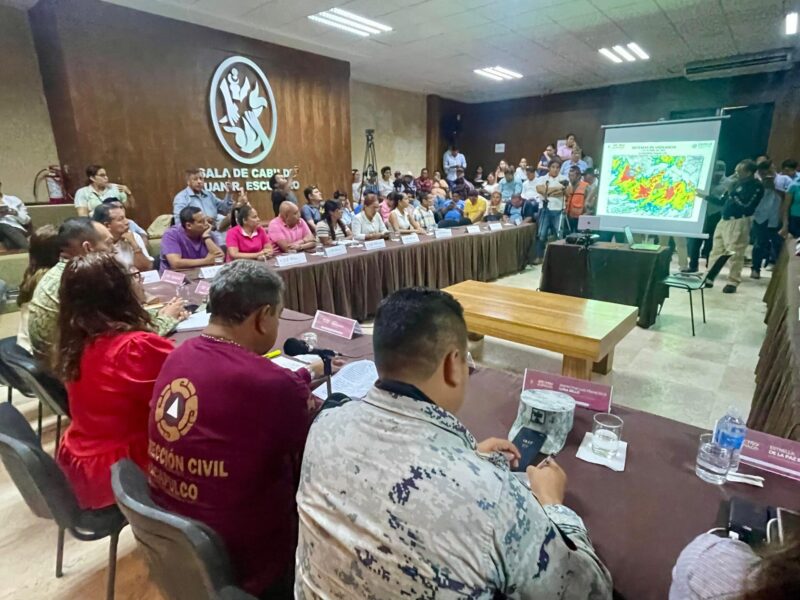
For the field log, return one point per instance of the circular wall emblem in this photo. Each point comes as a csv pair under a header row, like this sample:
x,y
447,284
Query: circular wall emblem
x,y
243,110
176,409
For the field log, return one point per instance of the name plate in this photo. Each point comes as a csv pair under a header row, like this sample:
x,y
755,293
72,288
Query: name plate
x,y
594,396
173,277
375,244
495,227
335,251
473,228
203,287
410,238
150,277
443,233
209,272
287,260
771,453
334,324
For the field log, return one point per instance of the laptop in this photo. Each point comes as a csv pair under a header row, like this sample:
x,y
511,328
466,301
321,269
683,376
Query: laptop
x,y
633,246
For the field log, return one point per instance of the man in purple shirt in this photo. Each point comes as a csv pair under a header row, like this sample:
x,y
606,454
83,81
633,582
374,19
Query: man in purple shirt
x,y
189,244
226,442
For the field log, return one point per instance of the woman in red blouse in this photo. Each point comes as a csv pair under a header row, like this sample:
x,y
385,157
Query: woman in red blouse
x,y
109,360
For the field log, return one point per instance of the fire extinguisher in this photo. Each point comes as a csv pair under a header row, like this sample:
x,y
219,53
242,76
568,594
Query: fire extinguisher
x,y
55,182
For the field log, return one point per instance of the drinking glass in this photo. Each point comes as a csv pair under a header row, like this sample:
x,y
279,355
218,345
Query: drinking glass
x,y
219,260
310,338
471,363
713,460
606,434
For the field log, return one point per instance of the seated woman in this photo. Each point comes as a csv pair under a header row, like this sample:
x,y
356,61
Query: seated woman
x,y
248,239
496,208
400,221
368,224
43,254
385,208
109,359
331,228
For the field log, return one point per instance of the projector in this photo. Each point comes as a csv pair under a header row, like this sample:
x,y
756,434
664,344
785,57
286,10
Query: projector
x,y
582,239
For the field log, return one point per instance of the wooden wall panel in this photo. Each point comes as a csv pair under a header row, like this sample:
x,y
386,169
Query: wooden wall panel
x,y
527,125
130,90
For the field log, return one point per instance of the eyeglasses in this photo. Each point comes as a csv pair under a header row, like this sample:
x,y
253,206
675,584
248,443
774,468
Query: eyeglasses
x,y
136,275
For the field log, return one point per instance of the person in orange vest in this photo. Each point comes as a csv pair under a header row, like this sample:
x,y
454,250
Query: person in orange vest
x,y
576,197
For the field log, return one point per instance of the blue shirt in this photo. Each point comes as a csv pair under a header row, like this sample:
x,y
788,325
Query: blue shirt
x,y
450,163
581,164
455,214
519,213
509,188
312,213
207,202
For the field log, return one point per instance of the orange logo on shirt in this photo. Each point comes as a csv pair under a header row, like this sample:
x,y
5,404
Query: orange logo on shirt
x,y
176,409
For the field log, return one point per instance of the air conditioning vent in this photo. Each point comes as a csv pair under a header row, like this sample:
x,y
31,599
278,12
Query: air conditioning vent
x,y
742,64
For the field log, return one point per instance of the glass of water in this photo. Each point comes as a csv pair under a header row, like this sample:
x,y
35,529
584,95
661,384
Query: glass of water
x,y
310,338
713,460
606,434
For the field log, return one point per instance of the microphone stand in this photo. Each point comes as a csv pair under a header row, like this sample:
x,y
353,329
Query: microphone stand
x,y
327,364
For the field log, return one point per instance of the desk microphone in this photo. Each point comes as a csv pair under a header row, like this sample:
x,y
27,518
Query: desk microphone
x,y
295,347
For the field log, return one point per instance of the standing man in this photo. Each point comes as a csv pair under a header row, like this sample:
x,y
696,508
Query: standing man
x,y
282,189
13,219
431,513
188,243
195,194
451,160
576,198
733,232
719,185
766,223
310,211
590,177
552,187
245,420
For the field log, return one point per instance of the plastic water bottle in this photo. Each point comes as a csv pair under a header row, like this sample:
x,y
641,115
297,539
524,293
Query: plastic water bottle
x,y
730,432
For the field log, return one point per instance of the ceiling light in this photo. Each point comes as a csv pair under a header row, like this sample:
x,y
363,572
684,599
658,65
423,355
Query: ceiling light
x,y
610,55
500,74
347,21
513,74
354,17
486,73
624,53
791,23
637,50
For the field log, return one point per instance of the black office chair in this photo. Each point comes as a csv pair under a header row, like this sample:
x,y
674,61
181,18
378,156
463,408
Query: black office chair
x,y
691,282
48,494
187,559
49,390
9,377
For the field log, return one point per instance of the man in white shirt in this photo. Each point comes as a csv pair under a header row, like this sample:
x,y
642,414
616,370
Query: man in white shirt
x,y
451,160
130,249
552,187
13,219
529,191
430,513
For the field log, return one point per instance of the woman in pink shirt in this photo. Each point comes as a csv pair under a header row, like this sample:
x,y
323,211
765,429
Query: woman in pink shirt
x,y
385,207
248,239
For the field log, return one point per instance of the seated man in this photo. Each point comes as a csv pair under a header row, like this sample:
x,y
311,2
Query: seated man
x,y
77,236
475,206
396,497
310,211
247,424
130,248
215,210
188,244
519,210
13,220
289,232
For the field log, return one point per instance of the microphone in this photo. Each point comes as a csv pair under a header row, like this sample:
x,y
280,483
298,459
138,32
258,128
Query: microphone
x,y
295,347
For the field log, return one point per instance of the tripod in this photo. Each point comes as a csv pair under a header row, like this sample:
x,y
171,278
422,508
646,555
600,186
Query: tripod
x,y
370,170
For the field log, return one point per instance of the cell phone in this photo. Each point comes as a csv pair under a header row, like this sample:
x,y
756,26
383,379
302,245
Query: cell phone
x,y
528,441
748,520
190,308
788,524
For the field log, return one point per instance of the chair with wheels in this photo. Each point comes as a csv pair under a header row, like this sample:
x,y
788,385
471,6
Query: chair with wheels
x,y
9,377
49,390
691,282
46,491
187,559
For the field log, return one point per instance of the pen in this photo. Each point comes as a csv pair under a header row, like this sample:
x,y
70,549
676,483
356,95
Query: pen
x,y
272,354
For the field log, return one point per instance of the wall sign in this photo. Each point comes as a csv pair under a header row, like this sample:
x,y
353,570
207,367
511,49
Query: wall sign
x,y
242,105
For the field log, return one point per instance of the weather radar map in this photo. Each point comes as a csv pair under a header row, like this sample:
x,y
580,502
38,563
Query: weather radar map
x,y
654,185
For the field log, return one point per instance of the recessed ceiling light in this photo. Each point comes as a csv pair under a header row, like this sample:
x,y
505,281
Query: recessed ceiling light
x,y
498,73
791,23
347,21
624,53
610,55
637,50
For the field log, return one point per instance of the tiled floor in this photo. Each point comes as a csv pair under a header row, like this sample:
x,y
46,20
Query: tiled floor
x,y
663,370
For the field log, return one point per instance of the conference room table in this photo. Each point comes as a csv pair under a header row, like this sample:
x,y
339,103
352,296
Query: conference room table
x,y
353,284
640,519
608,271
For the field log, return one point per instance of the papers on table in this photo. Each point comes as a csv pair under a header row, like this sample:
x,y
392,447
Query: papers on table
x,y
195,322
288,363
616,463
354,379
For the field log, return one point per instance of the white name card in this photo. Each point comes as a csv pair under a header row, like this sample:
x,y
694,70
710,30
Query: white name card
x,y
209,272
410,238
287,260
374,244
150,277
473,228
443,233
335,251
495,227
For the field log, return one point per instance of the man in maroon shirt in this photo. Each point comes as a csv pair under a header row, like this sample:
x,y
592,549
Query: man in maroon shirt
x,y
227,429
